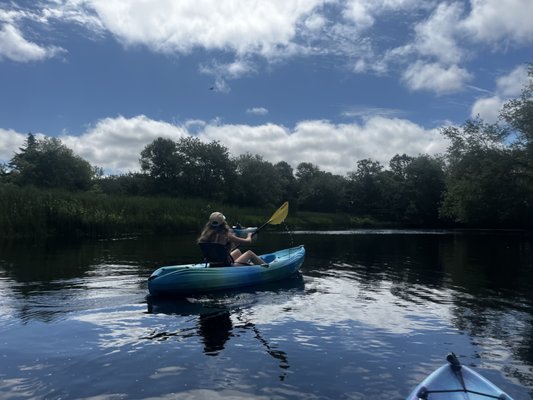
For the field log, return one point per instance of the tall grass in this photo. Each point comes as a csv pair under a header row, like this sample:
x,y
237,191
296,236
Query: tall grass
x,y
28,212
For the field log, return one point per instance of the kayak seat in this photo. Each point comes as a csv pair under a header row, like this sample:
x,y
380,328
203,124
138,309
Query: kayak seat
x,y
216,254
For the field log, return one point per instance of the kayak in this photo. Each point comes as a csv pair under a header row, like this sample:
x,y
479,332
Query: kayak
x,y
243,232
455,381
200,278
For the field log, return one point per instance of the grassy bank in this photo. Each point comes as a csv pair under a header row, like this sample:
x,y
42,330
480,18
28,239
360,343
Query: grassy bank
x,y
29,212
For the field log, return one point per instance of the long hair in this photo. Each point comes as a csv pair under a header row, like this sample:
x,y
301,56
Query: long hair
x,y
214,234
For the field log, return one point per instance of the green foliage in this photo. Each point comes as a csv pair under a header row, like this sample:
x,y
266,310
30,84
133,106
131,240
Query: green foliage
x,y
159,160
256,183
490,168
484,185
408,193
367,189
287,182
518,114
31,212
485,191
47,163
188,167
423,185
319,190
130,184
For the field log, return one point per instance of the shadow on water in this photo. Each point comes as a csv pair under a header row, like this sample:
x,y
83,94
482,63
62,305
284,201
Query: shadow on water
x,y
220,316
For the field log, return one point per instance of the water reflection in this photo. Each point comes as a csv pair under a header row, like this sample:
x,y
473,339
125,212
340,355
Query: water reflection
x,y
223,316
481,284
215,329
44,280
374,310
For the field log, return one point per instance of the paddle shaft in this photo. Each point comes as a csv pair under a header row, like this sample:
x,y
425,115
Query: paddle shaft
x,y
277,218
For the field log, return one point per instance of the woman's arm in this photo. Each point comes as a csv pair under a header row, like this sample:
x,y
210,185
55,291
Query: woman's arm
x,y
235,239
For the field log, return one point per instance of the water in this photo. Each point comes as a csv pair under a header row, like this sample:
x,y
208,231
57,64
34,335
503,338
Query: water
x,y
372,313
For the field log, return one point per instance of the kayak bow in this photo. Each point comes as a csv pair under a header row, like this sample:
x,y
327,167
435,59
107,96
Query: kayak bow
x,y
454,381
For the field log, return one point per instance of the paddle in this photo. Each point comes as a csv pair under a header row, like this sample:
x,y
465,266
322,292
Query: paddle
x,y
277,218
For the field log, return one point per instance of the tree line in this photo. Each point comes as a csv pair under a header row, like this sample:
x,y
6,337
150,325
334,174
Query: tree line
x,y
484,179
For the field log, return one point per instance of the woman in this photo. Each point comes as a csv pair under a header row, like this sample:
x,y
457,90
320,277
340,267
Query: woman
x,y
218,231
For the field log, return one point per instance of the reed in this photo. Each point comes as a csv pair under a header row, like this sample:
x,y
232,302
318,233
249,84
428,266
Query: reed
x,y
27,212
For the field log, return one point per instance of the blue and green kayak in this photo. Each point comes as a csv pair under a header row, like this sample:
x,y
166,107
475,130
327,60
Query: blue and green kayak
x,y
200,278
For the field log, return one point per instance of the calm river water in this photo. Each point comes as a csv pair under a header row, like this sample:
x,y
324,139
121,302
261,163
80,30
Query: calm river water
x,y
372,313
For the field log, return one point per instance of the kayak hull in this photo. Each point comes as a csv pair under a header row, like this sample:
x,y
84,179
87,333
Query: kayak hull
x,y
445,384
199,278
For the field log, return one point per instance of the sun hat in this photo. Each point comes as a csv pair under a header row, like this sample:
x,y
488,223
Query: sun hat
x,y
217,219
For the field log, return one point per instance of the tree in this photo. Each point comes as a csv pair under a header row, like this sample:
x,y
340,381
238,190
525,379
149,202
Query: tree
x,y
287,182
160,161
257,182
4,173
206,168
47,163
398,165
483,182
131,184
189,167
489,178
319,190
424,186
366,195
518,113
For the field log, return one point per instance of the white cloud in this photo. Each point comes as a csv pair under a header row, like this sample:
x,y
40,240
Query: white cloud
x,y
224,72
435,37
334,148
435,77
359,12
449,38
15,47
369,112
10,142
443,32
257,111
500,20
507,86
365,12
179,26
115,144
487,108
512,84
315,22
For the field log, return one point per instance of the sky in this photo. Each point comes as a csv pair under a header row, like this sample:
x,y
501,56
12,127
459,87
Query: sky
x,y
329,82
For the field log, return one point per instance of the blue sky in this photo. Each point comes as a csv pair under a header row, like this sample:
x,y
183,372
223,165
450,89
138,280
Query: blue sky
x,y
328,82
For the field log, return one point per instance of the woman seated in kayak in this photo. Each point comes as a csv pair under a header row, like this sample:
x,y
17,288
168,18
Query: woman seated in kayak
x,y
218,231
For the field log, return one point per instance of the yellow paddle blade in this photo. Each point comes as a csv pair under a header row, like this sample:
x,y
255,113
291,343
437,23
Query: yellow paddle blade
x,y
279,216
